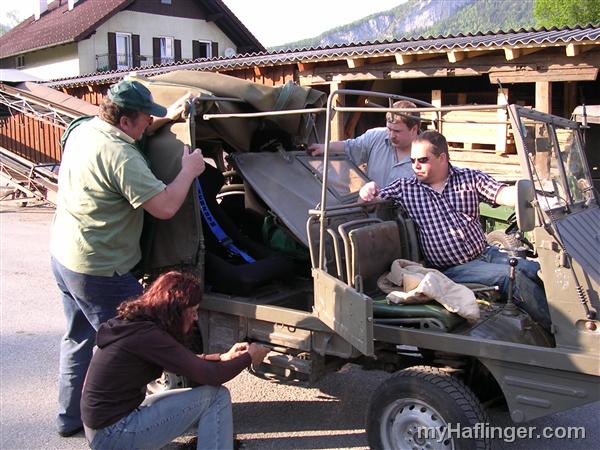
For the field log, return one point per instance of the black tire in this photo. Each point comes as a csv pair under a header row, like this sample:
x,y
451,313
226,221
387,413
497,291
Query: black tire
x,y
502,240
425,398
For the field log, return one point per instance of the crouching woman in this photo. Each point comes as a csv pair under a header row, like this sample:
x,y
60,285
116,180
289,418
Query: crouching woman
x,y
146,338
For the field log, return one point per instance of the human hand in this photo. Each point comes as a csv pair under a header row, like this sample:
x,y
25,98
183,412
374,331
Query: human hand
x,y
369,191
192,162
235,351
315,149
258,353
176,110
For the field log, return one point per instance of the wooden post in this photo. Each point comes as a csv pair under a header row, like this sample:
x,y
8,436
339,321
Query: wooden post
x,y
502,117
337,123
543,147
570,98
436,100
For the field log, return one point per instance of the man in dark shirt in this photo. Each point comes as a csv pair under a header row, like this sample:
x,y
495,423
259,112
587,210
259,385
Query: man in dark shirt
x,y
444,203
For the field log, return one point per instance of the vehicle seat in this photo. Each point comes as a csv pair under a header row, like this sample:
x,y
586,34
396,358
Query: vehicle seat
x,y
373,248
227,272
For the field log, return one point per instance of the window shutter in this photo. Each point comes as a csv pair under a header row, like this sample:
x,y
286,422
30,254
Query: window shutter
x,y
112,51
135,49
195,49
214,49
177,50
156,51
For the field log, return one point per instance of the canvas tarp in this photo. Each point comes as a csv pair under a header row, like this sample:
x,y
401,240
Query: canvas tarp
x,y
179,241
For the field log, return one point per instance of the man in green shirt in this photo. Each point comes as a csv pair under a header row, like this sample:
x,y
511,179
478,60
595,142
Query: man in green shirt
x,y
105,184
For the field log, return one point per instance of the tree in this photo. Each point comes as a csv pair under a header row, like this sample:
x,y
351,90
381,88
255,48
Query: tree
x,y
561,13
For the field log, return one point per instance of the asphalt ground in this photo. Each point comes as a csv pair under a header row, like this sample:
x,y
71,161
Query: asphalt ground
x,y
267,415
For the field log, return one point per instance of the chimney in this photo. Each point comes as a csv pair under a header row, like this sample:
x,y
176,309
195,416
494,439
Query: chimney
x,y
72,4
39,8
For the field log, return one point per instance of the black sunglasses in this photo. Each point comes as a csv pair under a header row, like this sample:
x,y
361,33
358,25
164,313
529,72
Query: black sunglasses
x,y
421,160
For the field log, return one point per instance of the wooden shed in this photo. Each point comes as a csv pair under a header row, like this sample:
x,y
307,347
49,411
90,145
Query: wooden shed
x,y
552,70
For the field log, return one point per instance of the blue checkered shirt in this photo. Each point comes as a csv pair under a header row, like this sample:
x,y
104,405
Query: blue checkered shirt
x,y
449,229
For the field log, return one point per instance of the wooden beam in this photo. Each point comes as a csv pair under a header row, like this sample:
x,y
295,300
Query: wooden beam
x,y
354,63
436,100
531,76
355,117
577,49
501,114
402,58
572,49
570,98
543,96
434,72
511,54
543,148
455,56
305,66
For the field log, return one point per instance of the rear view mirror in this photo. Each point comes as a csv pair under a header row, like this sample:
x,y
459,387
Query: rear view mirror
x,y
524,207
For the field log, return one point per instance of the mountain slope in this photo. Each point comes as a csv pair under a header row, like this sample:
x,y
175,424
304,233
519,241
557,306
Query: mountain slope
x,y
428,18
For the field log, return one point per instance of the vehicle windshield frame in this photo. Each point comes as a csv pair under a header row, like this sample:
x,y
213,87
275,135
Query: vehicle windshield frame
x,y
571,194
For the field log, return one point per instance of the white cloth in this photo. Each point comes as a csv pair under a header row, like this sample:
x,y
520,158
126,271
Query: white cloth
x,y
421,285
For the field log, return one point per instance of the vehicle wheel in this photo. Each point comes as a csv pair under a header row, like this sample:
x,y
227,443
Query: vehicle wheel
x,y
414,408
502,240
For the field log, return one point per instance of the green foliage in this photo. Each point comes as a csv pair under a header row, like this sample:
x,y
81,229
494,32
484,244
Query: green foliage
x,y
561,13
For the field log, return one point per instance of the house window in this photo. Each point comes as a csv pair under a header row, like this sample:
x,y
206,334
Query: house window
x,y
20,63
201,49
166,50
124,59
165,2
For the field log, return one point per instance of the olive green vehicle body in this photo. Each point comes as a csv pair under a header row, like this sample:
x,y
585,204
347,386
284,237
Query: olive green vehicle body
x,y
317,322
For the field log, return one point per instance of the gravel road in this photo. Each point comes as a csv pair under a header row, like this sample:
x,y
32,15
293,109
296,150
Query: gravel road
x,y
267,415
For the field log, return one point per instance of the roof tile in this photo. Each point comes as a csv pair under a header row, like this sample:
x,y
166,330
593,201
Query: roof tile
x,y
58,25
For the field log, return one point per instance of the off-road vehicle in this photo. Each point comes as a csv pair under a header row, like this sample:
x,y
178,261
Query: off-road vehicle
x,y
290,258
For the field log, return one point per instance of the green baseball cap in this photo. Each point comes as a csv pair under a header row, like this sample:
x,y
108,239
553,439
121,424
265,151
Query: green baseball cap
x,y
135,96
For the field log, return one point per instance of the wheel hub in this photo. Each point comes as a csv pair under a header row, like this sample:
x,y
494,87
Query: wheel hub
x,y
413,424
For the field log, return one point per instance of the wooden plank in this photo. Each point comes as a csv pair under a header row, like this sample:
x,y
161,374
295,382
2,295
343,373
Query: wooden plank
x,y
530,76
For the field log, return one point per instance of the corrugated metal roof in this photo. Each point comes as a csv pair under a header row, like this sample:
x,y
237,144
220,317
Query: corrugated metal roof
x,y
511,38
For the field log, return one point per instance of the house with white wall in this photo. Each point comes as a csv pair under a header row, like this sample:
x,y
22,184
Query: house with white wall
x,y
66,38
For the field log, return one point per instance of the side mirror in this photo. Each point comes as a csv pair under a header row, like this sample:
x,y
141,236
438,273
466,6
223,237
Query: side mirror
x,y
524,206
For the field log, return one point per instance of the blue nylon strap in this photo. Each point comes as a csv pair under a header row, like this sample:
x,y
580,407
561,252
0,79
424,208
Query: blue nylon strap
x,y
216,229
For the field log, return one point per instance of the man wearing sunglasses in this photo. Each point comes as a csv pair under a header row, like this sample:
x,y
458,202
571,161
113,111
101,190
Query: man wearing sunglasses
x,y
385,150
105,185
444,203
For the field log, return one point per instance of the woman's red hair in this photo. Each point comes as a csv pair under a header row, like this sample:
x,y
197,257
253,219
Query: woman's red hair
x,y
164,302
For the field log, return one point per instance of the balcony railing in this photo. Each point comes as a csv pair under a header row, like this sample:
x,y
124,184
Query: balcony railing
x,y
108,61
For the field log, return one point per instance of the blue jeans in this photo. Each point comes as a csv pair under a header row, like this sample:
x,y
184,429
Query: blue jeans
x,y
165,416
491,268
88,301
